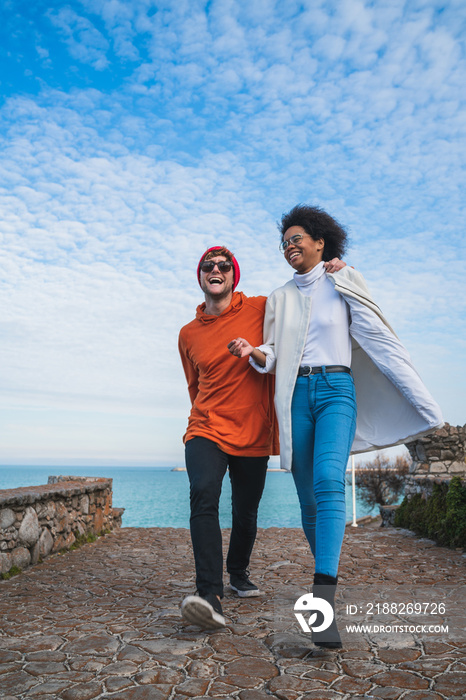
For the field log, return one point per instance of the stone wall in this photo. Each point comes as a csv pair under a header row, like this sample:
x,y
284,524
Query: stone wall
x,y
36,521
441,454
437,458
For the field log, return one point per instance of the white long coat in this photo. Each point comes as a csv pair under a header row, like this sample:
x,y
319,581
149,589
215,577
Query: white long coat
x,y
394,406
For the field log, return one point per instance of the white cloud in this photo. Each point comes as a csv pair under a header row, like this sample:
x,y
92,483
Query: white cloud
x,y
330,47
232,115
85,43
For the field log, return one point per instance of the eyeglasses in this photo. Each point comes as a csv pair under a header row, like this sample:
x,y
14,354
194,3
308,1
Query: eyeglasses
x,y
297,238
223,265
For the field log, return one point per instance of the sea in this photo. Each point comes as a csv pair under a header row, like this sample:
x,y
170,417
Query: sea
x,y
159,496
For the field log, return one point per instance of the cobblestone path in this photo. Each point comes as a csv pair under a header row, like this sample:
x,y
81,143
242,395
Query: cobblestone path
x,y
104,622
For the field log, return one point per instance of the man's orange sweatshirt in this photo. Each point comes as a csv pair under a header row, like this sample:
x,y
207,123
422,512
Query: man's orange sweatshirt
x,y
232,404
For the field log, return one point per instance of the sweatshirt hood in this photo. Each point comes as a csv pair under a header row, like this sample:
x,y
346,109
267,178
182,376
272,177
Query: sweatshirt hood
x,y
235,306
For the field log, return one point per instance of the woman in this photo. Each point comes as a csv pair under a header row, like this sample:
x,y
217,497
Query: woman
x,y
328,342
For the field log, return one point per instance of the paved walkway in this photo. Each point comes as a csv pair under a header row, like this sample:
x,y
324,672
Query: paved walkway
x,y
104,622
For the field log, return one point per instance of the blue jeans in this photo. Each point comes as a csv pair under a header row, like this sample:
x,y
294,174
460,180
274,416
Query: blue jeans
x,y
323,415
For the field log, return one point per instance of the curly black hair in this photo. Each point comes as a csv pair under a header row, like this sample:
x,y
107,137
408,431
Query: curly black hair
x,y
318,224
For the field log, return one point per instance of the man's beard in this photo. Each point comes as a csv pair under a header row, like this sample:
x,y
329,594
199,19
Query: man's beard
x,y
215,297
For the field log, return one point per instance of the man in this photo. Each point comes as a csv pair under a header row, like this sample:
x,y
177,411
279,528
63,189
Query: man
x,y
231,424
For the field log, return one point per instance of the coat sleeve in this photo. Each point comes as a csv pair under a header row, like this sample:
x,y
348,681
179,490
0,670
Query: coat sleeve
x,y
268,346
191,374
392,359
351,284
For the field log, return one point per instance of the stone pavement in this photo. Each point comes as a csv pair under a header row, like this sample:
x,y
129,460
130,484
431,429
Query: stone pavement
x,y
104,622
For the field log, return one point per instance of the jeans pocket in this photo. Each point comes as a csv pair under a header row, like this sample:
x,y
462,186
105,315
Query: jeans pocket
x,y
340,382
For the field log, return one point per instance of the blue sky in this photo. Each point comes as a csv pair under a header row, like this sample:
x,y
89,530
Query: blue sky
x,y
134,135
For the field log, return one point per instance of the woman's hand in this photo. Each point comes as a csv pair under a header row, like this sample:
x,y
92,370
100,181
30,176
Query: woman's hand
x,y
334,265
240,347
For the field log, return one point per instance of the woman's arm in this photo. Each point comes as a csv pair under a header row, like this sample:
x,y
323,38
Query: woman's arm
x,y
265,361
262,358
241,348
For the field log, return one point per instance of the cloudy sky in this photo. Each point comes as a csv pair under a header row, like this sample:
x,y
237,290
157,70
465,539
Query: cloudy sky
x,y
136,134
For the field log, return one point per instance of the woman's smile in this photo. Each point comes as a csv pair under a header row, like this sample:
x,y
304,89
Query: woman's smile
x,y
293,255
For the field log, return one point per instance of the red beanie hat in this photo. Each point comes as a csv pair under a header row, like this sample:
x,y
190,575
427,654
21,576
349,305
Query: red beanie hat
x,y
236,272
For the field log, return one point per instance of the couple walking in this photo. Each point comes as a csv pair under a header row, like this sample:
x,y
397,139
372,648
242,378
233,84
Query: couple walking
x,y
311,348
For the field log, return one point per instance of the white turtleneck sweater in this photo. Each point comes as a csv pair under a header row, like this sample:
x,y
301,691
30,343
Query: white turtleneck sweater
x,y
328,340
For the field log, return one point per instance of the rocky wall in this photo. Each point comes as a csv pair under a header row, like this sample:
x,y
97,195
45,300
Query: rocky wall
x,y
441,454
437,458
36,521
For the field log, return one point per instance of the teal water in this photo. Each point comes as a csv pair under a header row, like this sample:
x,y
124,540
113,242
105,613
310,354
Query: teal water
x,y
159,497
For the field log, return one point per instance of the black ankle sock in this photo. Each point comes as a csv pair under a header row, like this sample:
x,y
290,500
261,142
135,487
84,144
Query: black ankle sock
x,y
325,580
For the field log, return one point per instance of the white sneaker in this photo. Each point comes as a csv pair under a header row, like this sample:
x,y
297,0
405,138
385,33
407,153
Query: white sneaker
x,y
205,612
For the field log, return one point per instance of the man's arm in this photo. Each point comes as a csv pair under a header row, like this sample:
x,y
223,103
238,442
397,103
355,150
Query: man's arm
x,y
191,374
334,265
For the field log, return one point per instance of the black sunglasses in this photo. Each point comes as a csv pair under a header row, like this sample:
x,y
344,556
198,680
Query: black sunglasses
x,y
223,265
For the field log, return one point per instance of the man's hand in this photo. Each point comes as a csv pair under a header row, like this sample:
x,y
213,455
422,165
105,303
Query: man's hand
x,y
240,347
334,265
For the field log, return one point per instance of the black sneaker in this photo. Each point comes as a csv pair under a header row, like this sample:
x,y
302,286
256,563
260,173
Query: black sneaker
x,y
204,612
240,583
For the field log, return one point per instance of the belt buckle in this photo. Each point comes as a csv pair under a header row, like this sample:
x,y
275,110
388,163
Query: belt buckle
x,y
308,371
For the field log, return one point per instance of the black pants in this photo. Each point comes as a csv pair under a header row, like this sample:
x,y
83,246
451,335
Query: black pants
x,y
206,465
